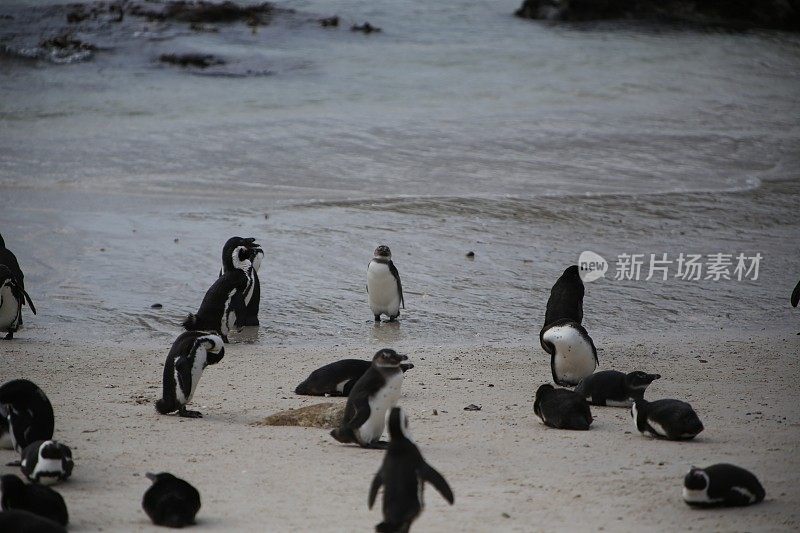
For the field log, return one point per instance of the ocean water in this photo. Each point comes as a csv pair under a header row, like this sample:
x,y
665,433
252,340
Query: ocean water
x,y
456,128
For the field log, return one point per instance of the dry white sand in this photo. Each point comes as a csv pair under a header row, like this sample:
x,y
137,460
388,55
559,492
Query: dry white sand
x,y
508,472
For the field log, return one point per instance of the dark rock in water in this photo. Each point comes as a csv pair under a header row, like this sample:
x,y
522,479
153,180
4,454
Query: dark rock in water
x,y
734,14
366,28
65,41
191,60
65,48
470,255
156,306
197,26
330,22
205,12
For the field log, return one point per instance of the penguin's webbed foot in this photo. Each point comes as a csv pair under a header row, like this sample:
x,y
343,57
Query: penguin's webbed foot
x,y
189,414
393,318
224,338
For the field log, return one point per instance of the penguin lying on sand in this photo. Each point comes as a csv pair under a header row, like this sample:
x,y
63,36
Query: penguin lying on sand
x,y
615,389
170,501
37,499
338,378
46,461
17,520
253,296
721,485
403,475
28,414
383,285
666,419
562,408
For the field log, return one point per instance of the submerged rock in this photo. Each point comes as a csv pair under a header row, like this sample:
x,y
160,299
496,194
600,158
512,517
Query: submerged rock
x,y
191,60
365,28
200,12
330,22
320,415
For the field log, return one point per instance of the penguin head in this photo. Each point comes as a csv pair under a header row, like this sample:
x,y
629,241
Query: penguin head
x,y
51,449
232,244
398,424
696,479
383,252
388,358
638,413
571,271
241,256
161,476
640,380
540,392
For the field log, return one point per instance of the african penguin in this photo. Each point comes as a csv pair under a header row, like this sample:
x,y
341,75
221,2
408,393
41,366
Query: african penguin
x,y
12,292
383,285
191,352
562,408
566,298
403,475
37,499
224,300
666,419
46,461
615,389
17,520
170,501
338,378
372,396
28,413
573,356
721,485
253,295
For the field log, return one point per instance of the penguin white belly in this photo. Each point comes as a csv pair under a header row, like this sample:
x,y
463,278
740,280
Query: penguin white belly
x,y
197,370
697,496
9,309
228,316
382,287
574,359
379,404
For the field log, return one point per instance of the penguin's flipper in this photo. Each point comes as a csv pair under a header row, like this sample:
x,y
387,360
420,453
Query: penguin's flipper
x,y
396,274
796,295
373,489
361,414
183,366
429,474
18,462
30,302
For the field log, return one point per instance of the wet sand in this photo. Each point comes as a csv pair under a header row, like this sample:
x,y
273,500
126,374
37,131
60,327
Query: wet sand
x,y
508,472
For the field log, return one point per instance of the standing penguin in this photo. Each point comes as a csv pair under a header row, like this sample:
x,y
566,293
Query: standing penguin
x,y
403,475
253,295
170,501
721,485
666,419
337,378
224,300
383,285
615,389
191,352
28,414
372,396
12,292
37,499
562,408
46,461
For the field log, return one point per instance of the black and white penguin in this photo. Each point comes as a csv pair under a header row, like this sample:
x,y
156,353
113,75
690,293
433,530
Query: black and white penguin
x,y
46,461
37,499
383,285
721,485
666,419
253,296
403,475
12,292
191,352
615,389
562,408
338,378
17,520
170,501
27,412
372,396
224,301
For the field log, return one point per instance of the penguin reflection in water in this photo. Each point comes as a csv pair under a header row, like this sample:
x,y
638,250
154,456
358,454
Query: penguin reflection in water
x,y
403,475
170,501
383,285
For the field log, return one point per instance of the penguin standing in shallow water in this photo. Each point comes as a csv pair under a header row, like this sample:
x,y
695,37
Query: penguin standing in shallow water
x,y
224,301
403,475
666,419
338,378
28,414
37,499
12,292
253,296
721,485
191,352
372,396
615,389
170,501
383,285
46,461
562,408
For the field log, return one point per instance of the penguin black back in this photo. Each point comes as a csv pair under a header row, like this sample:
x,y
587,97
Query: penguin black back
x,y
721,485
17,520
615,389
566,298
37,499
29,413
562,408
170,501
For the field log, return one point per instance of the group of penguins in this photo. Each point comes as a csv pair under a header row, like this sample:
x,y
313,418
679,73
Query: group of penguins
x,y
372,388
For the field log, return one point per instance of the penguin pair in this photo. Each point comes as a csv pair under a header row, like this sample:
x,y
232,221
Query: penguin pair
x,y
252,297
383,285
37,499
402,475
338,378
562,408
12,292
615,389
224,301
373,395
170,501
191,352
666,419
46,462
573,355
721,485
26,413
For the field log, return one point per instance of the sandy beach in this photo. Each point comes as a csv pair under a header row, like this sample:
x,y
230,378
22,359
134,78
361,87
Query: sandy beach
x,y
508,471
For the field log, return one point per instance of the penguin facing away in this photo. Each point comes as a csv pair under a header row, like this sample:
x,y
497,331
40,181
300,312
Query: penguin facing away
x,y
28,413
615,389
191,352
224,300
402,475
372,396
37,499
666,419
566,298
383,285
170,501
573,356
12,289
46,461
721,485
27,522
253,296
337,378
562,408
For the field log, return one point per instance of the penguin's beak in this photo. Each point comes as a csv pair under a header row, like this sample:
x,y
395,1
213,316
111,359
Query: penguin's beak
x,y
151,476
654,377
